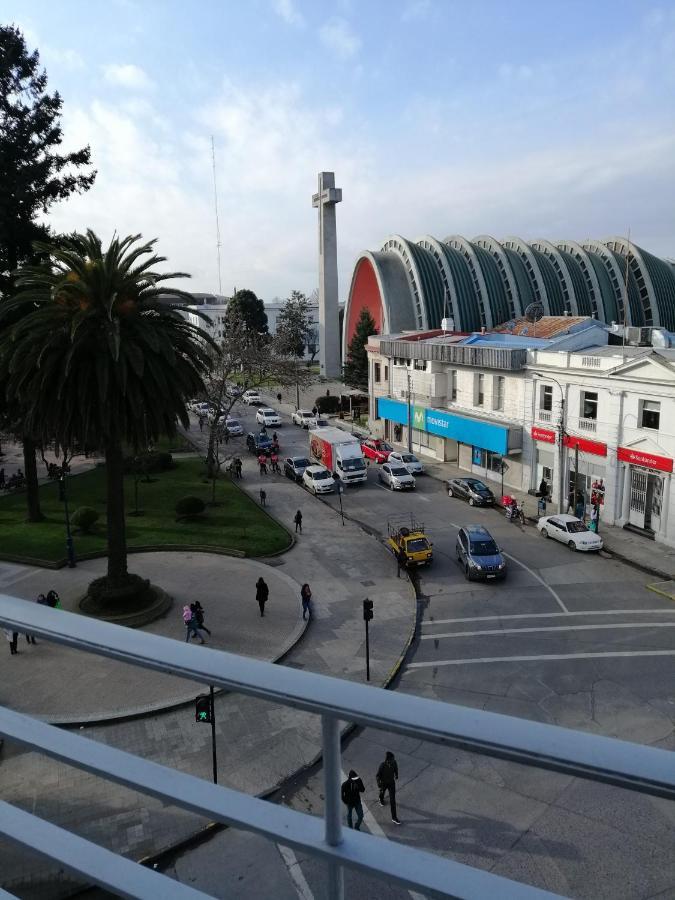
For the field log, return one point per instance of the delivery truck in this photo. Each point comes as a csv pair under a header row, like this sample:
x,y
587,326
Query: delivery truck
x,y
340,452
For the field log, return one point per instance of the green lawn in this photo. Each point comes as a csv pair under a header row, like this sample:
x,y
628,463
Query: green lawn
x,y
238,524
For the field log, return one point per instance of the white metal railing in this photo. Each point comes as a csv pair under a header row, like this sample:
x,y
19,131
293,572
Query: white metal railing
x,y
587,425
645,769
545,415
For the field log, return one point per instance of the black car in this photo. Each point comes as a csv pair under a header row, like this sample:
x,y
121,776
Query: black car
x,y
294,466
259,443
470,489
479,555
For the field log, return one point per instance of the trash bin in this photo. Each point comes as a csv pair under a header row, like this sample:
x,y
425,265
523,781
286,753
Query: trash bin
x,y
541,506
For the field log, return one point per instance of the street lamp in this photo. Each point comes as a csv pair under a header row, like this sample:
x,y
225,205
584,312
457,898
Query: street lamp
x,y
70,549
340,489
561,438
408,392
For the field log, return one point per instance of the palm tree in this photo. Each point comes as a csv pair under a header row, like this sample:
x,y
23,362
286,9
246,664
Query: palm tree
x,y
98,360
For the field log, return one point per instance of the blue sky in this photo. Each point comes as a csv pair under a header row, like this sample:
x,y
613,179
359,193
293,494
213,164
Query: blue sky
x,y
537,119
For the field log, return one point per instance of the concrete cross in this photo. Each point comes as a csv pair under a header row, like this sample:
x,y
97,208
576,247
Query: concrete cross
x,y
329,337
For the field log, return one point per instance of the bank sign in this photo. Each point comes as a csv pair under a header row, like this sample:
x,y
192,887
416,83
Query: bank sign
x,y
486,435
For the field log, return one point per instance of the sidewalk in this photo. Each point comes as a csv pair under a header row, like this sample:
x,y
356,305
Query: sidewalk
x,y
259,744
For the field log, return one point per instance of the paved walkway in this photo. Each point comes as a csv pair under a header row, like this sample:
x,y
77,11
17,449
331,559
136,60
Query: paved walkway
x,y
259,744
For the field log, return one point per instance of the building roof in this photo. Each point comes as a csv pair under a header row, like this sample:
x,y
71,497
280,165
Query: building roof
x,y
547,327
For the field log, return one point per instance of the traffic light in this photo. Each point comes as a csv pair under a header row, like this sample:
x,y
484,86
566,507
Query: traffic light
x,y
367,610
203,708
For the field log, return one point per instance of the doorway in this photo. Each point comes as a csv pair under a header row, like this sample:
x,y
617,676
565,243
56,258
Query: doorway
x,y
646,498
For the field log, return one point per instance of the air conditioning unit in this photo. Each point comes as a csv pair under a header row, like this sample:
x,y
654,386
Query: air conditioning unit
x,y
638,337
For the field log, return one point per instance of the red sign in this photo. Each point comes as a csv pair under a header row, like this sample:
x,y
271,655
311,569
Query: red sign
x,y
543,434
648,460
585,446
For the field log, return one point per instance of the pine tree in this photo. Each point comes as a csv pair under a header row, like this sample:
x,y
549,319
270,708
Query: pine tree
x,y
356,366
294,325
248,308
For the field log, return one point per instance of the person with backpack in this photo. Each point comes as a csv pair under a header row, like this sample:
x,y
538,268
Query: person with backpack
x,y
351,792
191,629
53,600
387,776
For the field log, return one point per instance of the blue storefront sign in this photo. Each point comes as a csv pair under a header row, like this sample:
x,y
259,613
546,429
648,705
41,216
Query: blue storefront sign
x,y
484,435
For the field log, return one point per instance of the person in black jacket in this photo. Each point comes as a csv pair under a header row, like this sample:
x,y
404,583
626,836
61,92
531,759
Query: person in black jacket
x,y
351,792
262,593
387,776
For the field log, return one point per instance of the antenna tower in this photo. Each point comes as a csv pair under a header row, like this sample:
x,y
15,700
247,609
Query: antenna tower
x,y
215,204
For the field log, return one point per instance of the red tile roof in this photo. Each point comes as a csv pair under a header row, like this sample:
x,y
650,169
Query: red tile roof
x,y
546,327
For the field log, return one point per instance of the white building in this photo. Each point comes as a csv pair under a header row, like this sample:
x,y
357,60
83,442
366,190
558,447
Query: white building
x,y
514,409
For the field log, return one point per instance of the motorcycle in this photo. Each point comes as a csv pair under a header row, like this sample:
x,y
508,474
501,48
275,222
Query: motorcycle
x,y
514,512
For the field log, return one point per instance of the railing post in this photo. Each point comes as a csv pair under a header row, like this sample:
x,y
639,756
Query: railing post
x,y
330,730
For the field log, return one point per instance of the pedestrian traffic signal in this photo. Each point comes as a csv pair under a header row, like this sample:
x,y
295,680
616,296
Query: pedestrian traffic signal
x,y
367,609
203,708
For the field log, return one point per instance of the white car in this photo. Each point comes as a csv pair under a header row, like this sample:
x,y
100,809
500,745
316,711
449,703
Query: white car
x,y
252,398
408,460
234,427
318,480
267,416
305,418
571,531
200,408
396,477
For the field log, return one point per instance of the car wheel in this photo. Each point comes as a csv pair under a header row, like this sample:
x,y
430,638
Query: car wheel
x,y
571,545
450,494
471,501
544,532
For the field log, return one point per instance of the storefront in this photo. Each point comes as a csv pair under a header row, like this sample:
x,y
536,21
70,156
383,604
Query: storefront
x,y
588,456
646,490
545,459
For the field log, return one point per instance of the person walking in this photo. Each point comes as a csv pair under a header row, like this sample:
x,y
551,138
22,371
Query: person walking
x,y
306,598
191,629
580,506
201,423
298,522
263,497
262,462
543,488
351,792
237,467
274,460
198,611
262,593
387,776
12,637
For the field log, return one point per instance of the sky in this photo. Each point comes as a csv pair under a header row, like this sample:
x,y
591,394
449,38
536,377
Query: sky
x,y
536,119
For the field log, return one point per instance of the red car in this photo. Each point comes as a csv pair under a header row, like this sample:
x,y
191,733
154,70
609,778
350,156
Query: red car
x,y
376,449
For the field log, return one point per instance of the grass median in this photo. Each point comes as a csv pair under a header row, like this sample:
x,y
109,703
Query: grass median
x,y
237,524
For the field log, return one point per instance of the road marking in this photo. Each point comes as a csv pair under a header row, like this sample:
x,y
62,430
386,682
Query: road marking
x,y
295,872
544,657
459,634
586,612
421,497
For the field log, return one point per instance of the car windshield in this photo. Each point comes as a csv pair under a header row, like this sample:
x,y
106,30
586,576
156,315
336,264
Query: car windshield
x,y
300,462
399,470
232,423
484,548
417,544
576,527
383,445
408,458
477,486
321,476
353,465
264,439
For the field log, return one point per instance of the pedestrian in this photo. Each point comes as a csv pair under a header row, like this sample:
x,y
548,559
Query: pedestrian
x,y
12,637
580,506
314,410
53,600
274,460
543,488
262,593
351,792
594,518
298,522
191,629
201,423
226,434
238,465
262,462
387,776
2,478
263,497
570,502
306,598
198,611
275,438
279,398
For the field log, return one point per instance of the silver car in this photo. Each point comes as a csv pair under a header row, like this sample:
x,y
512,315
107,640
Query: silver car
x,y
408,461
396,477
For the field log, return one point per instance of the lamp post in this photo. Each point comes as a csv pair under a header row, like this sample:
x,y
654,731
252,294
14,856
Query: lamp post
x,y
340,489
561,439
408,394
70,549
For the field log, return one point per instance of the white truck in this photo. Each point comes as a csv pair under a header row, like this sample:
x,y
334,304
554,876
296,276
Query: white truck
x,y
340,452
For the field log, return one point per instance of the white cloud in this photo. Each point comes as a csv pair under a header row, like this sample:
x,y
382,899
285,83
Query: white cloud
x,y
127,75
339,37
289,12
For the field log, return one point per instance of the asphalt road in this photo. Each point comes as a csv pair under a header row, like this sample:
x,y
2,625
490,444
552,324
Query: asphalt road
x,y
569,639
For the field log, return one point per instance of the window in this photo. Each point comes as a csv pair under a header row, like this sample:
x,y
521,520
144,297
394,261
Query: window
x,y
386,373
589,405
546,397
650,414
376,372
495,462
452,384
420,365
498,383
479,390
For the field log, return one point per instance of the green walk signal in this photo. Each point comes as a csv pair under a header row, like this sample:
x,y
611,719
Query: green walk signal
x,y
203,708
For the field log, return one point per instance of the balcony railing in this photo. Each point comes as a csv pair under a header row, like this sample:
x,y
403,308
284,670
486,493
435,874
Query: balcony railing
x,y
508,358
645,769
545,415
588,425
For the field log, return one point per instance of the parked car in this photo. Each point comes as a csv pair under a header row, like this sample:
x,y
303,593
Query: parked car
x,y
318,480
234,390
259,443
266,416
322,423
234,427
374,448
252,398
305,418
408,460
294,467
396,477
200,408
479,555
471,489
571,531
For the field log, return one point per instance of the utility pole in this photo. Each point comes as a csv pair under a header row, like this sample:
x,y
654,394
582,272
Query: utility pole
x,y
408,393
561,452
367,616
